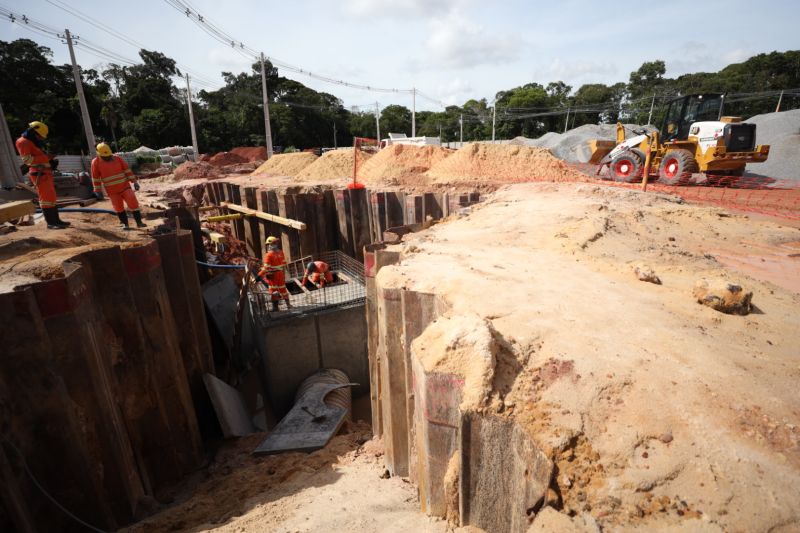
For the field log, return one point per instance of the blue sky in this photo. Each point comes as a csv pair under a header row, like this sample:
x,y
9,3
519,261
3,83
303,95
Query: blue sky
x,y
452,50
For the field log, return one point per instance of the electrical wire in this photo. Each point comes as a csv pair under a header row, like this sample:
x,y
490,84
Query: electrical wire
x,y
47,494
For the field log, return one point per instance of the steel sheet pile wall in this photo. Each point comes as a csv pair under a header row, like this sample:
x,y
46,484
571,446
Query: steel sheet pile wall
x,y
472,467
336,219
95,377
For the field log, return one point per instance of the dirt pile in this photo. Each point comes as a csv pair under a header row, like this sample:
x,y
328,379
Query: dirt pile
x,y
402,164
333,165
224,159
251,153
502,163
286,164
191,170
781,131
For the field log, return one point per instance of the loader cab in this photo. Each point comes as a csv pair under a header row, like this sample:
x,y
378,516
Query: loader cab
x,y
683,111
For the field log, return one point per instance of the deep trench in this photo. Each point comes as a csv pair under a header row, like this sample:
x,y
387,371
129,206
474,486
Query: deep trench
x,y
145,340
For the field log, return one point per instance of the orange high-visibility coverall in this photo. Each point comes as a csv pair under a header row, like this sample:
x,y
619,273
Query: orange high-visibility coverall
x,y
41,174
273,271
321,275
115,176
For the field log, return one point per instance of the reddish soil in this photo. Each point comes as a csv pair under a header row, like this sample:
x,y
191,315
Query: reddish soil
x,y
223,159
191,170
251,153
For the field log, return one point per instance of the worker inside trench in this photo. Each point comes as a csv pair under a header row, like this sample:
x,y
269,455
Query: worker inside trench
x,y
278,327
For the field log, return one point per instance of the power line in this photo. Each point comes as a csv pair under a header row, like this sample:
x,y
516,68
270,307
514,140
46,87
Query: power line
x,y
223,37
121,36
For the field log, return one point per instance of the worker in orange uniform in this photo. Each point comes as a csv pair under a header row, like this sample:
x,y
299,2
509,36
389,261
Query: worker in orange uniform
x,y
112,173
274,270
30,146
319,272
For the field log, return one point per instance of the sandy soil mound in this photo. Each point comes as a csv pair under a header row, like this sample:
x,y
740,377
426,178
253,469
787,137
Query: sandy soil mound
x,y
286,164
502,163
251,153
661,414
782,132
332,165
223,159
191,170
402,164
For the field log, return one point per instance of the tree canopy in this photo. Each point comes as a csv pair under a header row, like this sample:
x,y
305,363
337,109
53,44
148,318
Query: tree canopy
x,y
141,104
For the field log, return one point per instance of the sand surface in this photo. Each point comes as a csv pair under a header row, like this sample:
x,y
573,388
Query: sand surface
x,y
659,412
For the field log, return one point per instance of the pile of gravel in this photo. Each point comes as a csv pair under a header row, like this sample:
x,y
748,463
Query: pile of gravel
x,y
781,131
573,145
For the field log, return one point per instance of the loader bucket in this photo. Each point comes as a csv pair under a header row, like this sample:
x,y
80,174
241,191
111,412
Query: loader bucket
x,y
599,149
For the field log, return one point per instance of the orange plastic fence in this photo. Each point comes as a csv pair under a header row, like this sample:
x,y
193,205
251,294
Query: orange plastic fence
x,y
753,193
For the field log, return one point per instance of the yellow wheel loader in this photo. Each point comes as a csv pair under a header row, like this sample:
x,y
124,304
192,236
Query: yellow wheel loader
x,y
694,137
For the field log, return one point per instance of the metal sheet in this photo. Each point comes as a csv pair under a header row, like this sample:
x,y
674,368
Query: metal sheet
x,y
309,429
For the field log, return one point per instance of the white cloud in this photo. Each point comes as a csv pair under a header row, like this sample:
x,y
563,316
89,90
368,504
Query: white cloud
x,y
403,8
455,92
229,59
573,72
456,42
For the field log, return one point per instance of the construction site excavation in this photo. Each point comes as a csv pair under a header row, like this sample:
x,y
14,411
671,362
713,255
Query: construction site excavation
x,y
581,316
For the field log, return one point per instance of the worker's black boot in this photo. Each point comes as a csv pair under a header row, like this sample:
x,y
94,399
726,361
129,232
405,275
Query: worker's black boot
x,y
137,216
123,218
58,219
51,218
274,306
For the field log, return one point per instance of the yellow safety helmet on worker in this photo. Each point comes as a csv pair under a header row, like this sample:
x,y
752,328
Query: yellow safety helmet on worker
x,y
40,128
104,150
271,240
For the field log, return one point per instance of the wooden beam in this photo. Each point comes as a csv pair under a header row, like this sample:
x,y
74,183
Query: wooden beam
x,y
216,237
296,224
14,210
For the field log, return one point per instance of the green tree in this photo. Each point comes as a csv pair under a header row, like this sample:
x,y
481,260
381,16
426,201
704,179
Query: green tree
x,y
395,119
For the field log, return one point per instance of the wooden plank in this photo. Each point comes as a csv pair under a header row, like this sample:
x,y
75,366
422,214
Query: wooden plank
x,y
296,224
14,210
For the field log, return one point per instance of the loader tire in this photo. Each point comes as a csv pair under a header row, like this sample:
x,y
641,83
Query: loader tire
x,y
626,167
677,167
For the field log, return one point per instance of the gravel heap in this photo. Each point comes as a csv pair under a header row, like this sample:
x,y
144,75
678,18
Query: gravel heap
x,y
781,131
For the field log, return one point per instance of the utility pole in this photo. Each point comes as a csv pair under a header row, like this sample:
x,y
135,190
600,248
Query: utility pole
x,y
461,128
494,116
334,134
780,99
76,73
378,122
440,132
414,112
652,104
191,119
265,98
566,121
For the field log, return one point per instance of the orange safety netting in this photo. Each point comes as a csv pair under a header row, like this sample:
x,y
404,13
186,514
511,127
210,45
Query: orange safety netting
x,y
754,193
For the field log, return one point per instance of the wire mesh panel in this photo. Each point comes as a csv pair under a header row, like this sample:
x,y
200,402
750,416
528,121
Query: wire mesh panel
x,y
347,289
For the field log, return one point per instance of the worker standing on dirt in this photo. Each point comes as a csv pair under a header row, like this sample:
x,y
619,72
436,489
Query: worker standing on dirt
x,y
112,173
274,270
319,272
41,165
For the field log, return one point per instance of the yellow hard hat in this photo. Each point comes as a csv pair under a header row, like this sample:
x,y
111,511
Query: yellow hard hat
x,y
271,240
40,128
104,150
